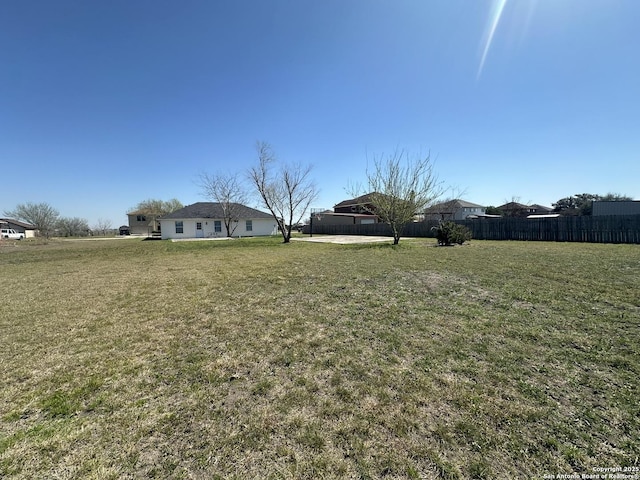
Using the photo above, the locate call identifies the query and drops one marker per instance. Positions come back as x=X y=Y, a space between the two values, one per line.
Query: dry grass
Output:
x=253 y=359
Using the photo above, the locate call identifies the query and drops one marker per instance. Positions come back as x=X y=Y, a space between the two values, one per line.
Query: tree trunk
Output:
x=286 y=233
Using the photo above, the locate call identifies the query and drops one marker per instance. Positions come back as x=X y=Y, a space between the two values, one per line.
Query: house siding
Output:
x=357 y=209
x=260 y=227
x=142 y=227
x=345 y=219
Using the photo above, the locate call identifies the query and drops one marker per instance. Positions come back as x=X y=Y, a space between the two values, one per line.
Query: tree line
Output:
x=48 y=222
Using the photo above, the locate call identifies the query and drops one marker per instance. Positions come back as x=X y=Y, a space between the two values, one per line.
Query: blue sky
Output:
x=105 y=104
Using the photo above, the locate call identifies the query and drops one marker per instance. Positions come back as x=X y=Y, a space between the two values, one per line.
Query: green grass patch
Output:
x=254 y=359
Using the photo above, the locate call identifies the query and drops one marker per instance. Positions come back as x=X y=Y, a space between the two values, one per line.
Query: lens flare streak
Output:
x=497 y=9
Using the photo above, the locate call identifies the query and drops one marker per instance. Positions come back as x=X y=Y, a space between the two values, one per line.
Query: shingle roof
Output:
x=513 y=206
x=452 y=205
x=361 y=200
x=465 y=204
x=541 y=207
x=214 y=210
x=28 y=226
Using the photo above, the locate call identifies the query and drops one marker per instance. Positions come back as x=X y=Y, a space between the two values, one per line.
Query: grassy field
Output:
x=255 y=359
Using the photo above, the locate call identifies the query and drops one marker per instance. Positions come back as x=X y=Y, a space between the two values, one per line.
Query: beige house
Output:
x=141 y=223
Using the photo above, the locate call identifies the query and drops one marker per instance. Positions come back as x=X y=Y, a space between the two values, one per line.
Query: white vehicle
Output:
x=11 y=234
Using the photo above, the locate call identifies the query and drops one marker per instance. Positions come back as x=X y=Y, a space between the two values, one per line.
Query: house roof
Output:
x=214 y=210
x=541 y=208
x=513 y=206
x=452 y=205
x=465 y=204
x=28 y=226
x=361 y=200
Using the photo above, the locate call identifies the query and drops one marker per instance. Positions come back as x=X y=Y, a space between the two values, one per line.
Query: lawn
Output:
x=255 y=359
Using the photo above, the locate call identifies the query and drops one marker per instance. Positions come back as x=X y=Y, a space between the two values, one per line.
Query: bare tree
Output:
x=102 y=226
x=72 y=227
x=41 y=215
x=229 y=191
x=287 y=192
x=401 y=186
x=157 y=207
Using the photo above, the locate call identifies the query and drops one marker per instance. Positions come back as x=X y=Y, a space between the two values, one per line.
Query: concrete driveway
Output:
x=343 y=239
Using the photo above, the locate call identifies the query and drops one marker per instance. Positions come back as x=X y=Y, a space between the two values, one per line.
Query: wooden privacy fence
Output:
x=599 y=229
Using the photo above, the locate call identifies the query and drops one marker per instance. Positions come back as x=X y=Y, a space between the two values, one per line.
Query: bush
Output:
x=449 y=233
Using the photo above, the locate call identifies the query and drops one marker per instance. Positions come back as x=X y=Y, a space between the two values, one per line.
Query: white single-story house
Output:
x=206 y=220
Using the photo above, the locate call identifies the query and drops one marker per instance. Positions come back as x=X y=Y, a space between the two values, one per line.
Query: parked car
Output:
x=11 y=234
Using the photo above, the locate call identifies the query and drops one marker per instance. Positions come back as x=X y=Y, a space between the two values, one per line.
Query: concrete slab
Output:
x=343 y=239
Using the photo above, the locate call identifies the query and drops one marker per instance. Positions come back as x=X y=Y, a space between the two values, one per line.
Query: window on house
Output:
x=141 y=218
x=249 y=226
x=198 y=225
x=179 y=227
x=217 y=226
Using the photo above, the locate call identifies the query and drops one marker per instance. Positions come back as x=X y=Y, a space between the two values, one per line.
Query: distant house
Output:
x=20 y=227
x=142 y=223
x=354 y=211
x=541 y=209
x=361 y=205
x=515 y=209
x=630 y=207
x=206 y=220
x=331 y=218
x=454 y=210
